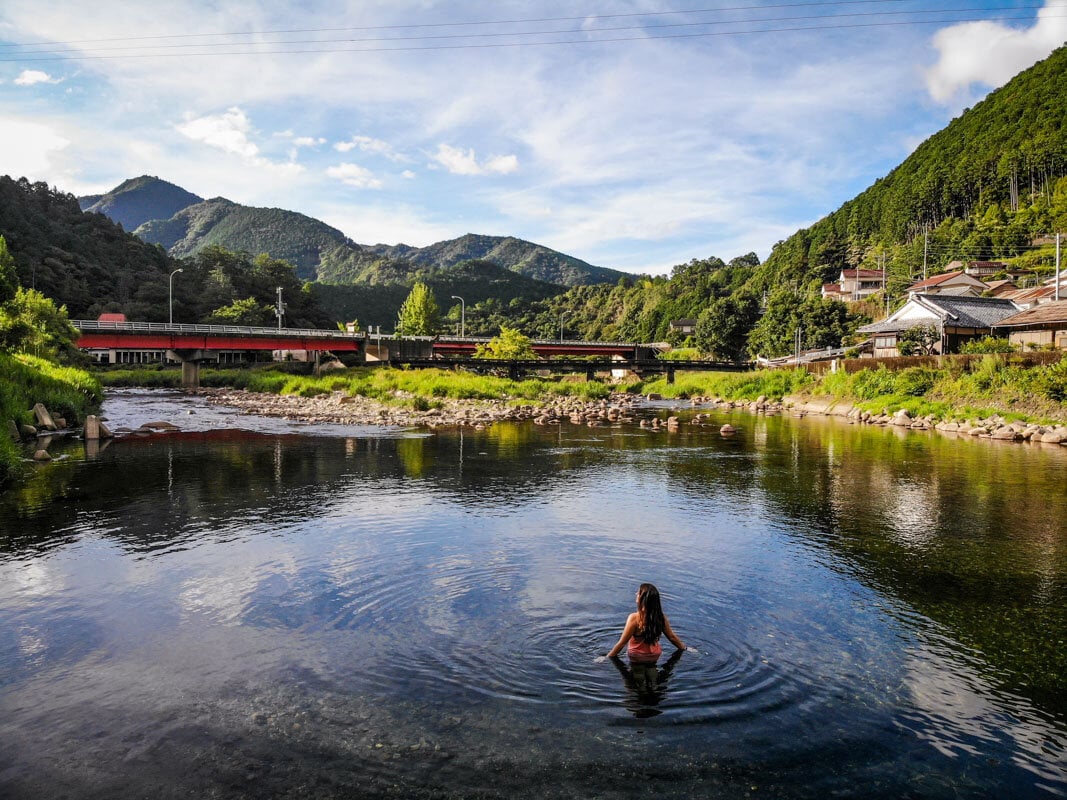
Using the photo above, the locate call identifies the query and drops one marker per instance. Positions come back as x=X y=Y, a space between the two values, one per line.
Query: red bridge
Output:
x=113 y=341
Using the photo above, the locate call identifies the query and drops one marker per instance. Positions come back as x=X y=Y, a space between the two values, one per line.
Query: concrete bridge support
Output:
x=191 y=365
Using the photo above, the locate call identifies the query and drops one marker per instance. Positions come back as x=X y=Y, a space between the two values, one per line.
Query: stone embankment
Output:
x=993 y=427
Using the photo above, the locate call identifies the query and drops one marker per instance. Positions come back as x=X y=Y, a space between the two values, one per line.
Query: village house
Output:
x=950 y=283
x=1042 y=325
x=854 y=284
x=686 y=327
x=956 y=318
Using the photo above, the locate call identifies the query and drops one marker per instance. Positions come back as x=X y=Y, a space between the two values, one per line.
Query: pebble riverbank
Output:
x=341 y=408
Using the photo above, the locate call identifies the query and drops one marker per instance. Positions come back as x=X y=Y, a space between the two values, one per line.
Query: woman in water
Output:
x=644 y=627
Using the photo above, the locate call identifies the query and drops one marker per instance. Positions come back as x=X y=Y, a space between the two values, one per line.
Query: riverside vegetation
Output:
x=997 y=386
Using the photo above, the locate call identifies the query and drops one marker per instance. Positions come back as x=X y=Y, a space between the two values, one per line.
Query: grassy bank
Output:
x=386 y=385
x=994 y=384
x=66 y=392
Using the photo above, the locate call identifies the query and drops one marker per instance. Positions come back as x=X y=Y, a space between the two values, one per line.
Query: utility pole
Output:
x=279 y=309
x=1057 y=266
x=885 y=285
x=926 y=244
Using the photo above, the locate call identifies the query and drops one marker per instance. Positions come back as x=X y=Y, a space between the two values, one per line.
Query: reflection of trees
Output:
x=969 y=533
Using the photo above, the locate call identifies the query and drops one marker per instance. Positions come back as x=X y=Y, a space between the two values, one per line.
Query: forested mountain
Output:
x=493 y=295
x=992 y=185
x=184 y=224
x=517 y=255
x=982 y=188
x=91 y=265
x=137 y=200
x=306 y=243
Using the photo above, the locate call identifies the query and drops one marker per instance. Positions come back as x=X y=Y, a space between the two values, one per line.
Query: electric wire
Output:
x=65 y=55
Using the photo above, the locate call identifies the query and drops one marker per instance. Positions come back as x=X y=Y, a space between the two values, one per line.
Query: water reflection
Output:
x=646 y=684
x=418 y=615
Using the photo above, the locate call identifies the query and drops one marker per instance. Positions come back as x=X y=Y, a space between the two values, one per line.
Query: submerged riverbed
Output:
x=256 y=608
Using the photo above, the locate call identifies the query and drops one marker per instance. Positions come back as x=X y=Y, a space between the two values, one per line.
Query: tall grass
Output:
x=65 y=391
x=774 y=384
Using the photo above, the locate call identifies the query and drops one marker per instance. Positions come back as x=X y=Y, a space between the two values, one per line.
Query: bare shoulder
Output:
x=632 y=618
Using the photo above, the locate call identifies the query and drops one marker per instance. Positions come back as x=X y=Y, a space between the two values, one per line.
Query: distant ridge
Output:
x=138 y=200
x=184 y=224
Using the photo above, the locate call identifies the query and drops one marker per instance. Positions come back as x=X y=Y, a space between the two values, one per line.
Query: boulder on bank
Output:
x=13 y=430
x=28 y=431
x=42 y=455
x=44 y=419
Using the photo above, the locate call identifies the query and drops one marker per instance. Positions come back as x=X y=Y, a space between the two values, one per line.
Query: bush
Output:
x=989 y=344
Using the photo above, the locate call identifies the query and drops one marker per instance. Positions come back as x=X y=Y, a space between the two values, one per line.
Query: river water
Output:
x=257 y=608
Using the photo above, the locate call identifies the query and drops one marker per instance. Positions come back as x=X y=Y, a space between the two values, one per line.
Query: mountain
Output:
x=308 y=244
x=517 y=255
x=184 y=224
x=138 y=200
x=89 y=264
x=484 y=287
x=982 y=188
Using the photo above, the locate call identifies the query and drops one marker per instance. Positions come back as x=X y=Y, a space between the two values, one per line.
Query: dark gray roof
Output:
x=956 y=311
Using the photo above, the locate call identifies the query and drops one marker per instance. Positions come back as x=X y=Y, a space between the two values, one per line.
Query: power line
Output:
x=795 y=29
x=497 y=34
x=79 y=55
x=583 y=18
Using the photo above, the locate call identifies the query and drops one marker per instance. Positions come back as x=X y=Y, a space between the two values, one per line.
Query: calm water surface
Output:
x=276 y=610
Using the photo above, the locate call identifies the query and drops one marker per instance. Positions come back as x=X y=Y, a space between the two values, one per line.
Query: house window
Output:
x=885 y=342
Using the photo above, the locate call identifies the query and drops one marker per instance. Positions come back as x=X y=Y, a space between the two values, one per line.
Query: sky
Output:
x=634 y=135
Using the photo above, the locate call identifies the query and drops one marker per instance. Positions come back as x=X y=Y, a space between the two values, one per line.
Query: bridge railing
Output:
x=243 y=330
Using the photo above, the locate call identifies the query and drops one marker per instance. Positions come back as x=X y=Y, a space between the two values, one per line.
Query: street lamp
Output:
x=561 y=316
x=462 y=316
x=171 y=294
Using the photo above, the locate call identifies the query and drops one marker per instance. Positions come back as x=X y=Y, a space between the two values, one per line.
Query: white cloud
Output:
x=460 y=162
x=29 y=77
x=308 y=141
x=368 y=144
x=228 y=132
x=989 y=53
x=407 y=175
x=354 y=175
x=388 y=224
x=27 y=149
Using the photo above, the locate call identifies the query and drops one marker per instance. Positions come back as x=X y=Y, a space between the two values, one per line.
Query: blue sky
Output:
x=657 y=132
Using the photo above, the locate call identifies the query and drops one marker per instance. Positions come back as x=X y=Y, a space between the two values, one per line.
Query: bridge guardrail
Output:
x=244 y=330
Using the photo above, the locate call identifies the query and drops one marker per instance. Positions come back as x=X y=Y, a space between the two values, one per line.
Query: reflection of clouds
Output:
x=31 y=642
x=913 y=510
x=957 y=711
x=33 y=579
x=226 y=594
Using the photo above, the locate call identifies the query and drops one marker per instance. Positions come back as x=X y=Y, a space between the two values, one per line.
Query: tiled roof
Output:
x=1038 y=315
x=862 y=273
x=936 y=280
x=957 y=312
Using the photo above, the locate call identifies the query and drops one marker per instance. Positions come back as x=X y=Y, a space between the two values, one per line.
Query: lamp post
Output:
x=171 y=294
x=561 y=316
x=462 y=316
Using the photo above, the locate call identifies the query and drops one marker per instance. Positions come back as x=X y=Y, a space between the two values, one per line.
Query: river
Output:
x=259 y=608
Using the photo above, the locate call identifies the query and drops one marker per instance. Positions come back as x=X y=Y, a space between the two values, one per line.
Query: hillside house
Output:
x=957 y=319
x=686 y=327
x=949 y=283
x=1042 y=325
x=854 y=284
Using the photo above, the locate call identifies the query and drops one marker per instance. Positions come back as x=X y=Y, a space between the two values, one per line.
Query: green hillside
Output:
x=182 y=223
x=89 y=264
x=137 y=200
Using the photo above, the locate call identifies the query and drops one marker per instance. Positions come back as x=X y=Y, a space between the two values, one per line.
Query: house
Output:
x=957 y=319
x=954 y=283
x=855 y=284
x=985 y=269
x=1045 y=324
x=686 y=327
x=1003 y=288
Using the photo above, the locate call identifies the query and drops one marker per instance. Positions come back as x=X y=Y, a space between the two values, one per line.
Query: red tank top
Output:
x=643 y=651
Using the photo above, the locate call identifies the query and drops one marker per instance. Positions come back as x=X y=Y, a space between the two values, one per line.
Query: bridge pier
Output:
x=670 y=376
x=190 y=374
x=191 y=365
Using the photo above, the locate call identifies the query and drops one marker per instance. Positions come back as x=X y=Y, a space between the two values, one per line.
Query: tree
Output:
x=9 y=280
x=510 y=345
x=32 y=323
x=419 y=315
x=918 y=341
x=242 y=312
x=723 y=327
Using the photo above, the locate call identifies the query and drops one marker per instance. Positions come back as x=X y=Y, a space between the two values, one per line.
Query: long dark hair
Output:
x=650 y=622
